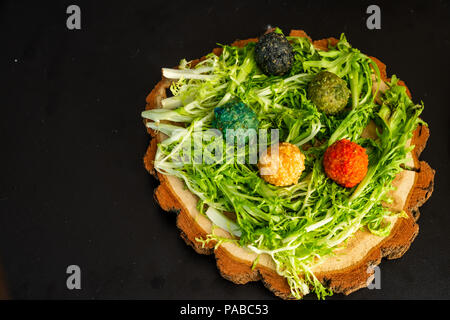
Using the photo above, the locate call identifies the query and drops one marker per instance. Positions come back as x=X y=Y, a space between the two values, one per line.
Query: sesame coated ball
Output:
x=284 y=169
x=346 y=162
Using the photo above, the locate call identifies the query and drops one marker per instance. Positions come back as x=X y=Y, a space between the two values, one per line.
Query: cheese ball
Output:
x=284 y=169
x=346 y=163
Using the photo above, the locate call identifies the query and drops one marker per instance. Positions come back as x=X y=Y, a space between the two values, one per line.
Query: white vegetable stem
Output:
x=171 y=103
x=164 y=114
x=220 y=220
x=318 y=224
x=167 y=129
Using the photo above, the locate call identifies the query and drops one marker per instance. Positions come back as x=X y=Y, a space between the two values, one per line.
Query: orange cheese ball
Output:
x=346 y=163
x=284 y=169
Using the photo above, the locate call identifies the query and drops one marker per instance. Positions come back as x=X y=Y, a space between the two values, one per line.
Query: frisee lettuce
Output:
x=300 y=225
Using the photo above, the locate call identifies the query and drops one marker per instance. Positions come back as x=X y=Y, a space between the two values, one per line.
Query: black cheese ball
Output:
x=274 y=54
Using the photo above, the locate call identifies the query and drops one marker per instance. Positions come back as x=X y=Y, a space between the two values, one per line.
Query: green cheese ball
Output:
x=234 y=115
x=328 y=92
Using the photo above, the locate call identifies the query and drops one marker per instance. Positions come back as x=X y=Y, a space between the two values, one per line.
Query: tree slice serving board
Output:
x=352 y=266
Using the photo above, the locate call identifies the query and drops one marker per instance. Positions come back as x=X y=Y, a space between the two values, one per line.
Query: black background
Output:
x=73 y=189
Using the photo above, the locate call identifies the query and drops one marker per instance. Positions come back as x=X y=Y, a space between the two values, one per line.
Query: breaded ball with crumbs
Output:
x=284 y=169
x=328 y=92
x=274 y=54
x=346 y=163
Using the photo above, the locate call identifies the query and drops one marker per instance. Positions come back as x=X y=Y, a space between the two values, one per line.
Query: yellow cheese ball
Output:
x=285 y=169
